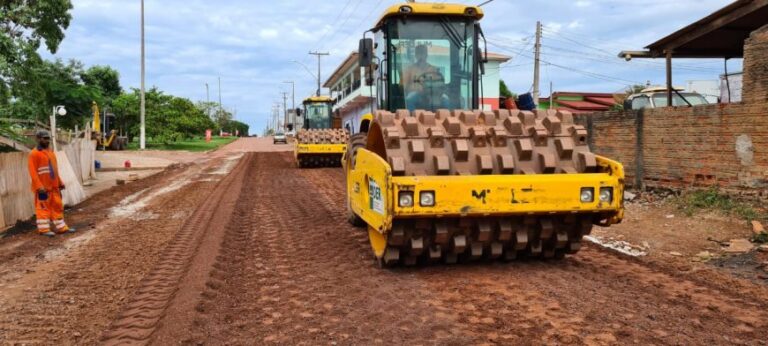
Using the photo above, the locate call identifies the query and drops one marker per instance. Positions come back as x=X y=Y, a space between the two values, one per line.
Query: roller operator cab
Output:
x=320 y=142
x=434 y=180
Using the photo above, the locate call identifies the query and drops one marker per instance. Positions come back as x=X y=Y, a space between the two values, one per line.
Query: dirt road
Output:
x=251 y=250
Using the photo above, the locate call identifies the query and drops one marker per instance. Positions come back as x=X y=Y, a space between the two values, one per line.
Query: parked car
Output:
x=656 y=97
x=279 y=138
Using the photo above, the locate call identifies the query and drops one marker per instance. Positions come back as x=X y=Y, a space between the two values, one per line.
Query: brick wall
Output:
x=676 y=147
x=755 y=79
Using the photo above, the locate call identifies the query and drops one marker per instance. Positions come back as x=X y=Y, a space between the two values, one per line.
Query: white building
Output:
x=353 y=99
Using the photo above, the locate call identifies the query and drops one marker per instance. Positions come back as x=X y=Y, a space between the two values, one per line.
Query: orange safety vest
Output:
x=44 y=170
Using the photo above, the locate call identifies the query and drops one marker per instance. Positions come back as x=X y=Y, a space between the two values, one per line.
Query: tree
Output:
x=169 y=118
x=106 y=79
x=209 y=108
x=235 y=126
x=50 y=83
x=504 y=91
x=634 y=89
x=222 y=117
x=24 y=25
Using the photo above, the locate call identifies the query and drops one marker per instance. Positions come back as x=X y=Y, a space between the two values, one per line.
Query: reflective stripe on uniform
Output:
x=60 y=224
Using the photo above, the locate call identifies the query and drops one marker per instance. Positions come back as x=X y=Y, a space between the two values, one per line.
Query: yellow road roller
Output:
x=320 y=142
x=434 y=179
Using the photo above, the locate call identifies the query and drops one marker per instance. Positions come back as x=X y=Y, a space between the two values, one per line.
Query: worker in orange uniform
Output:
x=47 y=186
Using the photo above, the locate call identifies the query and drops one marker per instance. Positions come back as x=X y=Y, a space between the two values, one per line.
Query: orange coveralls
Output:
x=44 y=172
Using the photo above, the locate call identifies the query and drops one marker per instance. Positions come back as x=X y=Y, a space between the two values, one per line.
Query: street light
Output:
x=293 y=103
x=142 y=106
x=306 y=68
x=57 y=110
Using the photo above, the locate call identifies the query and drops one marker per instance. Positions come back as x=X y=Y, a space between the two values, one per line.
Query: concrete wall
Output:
x=722 y=144
x=352 y=118
x=490 y=86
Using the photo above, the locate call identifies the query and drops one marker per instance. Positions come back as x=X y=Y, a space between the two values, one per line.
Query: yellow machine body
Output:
x=431 y=9
x=373 y=193
x=435 y=178
x=319 y=143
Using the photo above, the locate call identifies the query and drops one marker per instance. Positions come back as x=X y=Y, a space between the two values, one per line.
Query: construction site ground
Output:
x=238 y=246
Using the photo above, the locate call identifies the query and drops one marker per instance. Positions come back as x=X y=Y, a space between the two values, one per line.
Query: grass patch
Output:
x=712 y=199
x=195 y=144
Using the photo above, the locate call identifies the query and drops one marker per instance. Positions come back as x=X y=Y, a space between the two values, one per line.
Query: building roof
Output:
x=719 y=35
x=582 y=102
x=498 y=57
x=350 y=61
x=431 y=9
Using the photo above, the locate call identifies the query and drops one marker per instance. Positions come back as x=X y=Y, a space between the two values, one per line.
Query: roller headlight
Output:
x=606 y=194
x=587 y=195
x=406 y=9
x=427 y=198
x=405 y=199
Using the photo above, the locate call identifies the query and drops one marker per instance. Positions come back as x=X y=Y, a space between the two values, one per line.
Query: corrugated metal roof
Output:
x=583 y=105
x=720 y=34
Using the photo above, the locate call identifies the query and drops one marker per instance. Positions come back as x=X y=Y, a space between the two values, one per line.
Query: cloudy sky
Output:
x=250 y=44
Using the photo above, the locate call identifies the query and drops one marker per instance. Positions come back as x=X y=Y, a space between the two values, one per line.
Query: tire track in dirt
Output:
x=59 y=293
x=291 y=271
x=275 y=279
x=140 y=315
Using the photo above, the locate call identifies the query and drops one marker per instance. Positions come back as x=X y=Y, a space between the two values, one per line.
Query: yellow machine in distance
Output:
x=435 y=179
x=319 y=142
x=111 y=140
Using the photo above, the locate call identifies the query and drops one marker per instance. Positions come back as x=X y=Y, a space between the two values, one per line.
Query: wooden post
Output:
x=669 y=78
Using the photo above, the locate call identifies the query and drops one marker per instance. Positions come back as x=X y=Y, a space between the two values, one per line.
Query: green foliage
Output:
x=168 y=118
x=24 y=25
x=504 y=91
x=222 y=117
x=713 y=199
x=106 y=79
x=634 y=89
x=50 y=83
x=761 y=238
x=30 y=86
x=234 y=126
x=194 y=144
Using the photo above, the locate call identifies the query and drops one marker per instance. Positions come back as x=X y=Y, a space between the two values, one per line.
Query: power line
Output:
x=346 y=19
x=338 y=16
x=360 y=23
x=562 y=37
x=611 y=60
x=583 y=72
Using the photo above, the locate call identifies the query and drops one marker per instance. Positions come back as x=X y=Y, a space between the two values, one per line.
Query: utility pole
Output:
x=220 y=107
x=275 y=112
x=207 y=100
x=319 y=55
x=142 y=111
x=293 y=103
x=537 y=54
x=285 y=109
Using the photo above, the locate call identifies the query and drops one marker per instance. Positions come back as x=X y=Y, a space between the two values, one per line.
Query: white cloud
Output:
x=574 y=24
x=268 y=33
x=250 y=45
